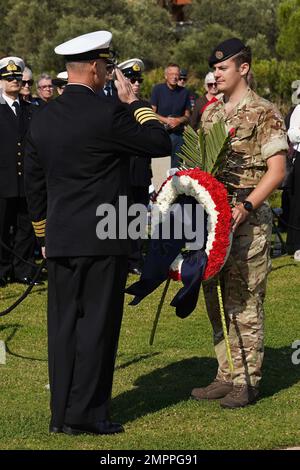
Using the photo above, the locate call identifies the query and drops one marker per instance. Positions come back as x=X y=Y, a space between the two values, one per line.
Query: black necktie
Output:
x=17 y=108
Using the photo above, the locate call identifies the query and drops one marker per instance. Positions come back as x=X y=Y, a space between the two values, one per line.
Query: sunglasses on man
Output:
x=12 y=78
x=133 y=80
x=210 y=85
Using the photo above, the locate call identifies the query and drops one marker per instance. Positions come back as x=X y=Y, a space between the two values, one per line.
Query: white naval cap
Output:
x=11 y=66
x=88 y=46
x=62 y=75
x=132 y=67
x=61 y=79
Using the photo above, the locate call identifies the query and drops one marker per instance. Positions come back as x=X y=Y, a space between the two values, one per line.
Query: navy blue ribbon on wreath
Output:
x=161 y=254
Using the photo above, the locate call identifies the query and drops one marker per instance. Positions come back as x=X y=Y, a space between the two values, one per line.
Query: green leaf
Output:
x=191 y=150
x=205 y=151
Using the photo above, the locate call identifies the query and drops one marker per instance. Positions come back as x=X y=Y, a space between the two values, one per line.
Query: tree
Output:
x=259 y=47
x=35 y=27
x=246 y=17
x=150 y=35
x=288 y=17
x=195 y=48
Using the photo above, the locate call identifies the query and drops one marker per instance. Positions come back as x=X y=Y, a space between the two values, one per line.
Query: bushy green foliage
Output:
x=194 y=49
x=288 y=22
x=32 y=28
x=246 y=17
x=273 y=80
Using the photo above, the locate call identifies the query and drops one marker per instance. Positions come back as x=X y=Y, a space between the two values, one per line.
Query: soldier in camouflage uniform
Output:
x=253 y=168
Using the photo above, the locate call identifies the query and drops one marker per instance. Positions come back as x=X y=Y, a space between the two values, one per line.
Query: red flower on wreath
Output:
x=222 y=233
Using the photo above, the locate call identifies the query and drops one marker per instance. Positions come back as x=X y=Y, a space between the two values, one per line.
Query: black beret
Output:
x=225 y=50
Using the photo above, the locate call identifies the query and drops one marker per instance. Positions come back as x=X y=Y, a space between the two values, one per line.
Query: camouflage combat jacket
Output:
x=259 y=133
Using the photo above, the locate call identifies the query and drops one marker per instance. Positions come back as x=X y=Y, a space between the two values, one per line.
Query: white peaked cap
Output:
x=137 y=65
x=88 y=46
x=62 y=75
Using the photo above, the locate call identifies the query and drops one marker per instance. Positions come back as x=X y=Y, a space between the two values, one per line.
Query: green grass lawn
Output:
x=152 y=384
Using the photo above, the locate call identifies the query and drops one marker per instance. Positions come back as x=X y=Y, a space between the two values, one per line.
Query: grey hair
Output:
x=28 y=71
x=43 y=76
x=171 y=64
x=78 y=66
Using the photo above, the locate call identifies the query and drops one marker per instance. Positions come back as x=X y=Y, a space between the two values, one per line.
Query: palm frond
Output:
x=216 y=141
x=205 y=151
x=190 y=153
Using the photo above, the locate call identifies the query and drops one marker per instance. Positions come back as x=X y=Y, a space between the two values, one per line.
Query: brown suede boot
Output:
x=240 y=396
x=215 y=390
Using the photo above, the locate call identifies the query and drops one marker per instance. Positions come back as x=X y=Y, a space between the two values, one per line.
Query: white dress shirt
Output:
x=10 y=101
x=294 y=129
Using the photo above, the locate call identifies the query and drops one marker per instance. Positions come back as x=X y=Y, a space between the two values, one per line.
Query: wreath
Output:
x=202 y=156
x=212 y=195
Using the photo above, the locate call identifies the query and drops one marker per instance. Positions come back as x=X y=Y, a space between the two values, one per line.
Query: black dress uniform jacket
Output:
x=12 y=135
x=13 y=208
x=77 y=158
x=140 y=171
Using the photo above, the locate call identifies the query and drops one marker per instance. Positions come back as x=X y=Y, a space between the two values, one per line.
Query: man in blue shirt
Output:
x=172 y=104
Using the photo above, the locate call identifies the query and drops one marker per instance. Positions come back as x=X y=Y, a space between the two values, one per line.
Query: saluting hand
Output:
x=124 y=87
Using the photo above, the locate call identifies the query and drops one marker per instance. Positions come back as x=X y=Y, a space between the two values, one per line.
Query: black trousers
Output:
x=85 y=308
x=140 y=194
x=293 y=231
x=16 y=231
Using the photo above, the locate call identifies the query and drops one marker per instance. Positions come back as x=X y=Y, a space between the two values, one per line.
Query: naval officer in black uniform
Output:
x=77 y=158
x=140 y=172
x=15 y=226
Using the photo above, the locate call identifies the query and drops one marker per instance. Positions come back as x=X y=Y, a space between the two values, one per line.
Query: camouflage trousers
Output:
x=243 y=283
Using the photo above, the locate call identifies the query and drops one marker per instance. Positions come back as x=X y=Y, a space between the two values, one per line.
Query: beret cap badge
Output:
x=219 y=55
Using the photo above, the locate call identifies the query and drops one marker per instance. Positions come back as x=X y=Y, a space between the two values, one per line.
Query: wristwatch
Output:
x=248 y=206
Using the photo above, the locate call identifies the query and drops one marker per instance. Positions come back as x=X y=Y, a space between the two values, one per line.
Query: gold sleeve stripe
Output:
x=142 y=119
x=140 y=110
x=40 y=235
x=145 y=119
x=145 y=113
x=41 y=231
x=40 y=223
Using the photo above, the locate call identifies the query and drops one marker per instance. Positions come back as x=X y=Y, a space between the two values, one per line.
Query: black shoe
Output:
x=136 y=271
x=28 y=281
x=3 y=282
x=55 y=429
x=102 y=427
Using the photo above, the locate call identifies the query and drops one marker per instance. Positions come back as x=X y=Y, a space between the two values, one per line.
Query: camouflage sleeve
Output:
x=272 y=134
x=205 y=121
